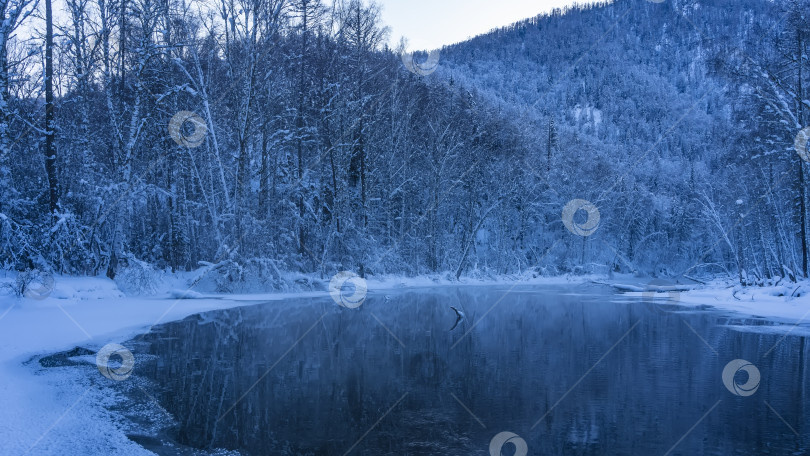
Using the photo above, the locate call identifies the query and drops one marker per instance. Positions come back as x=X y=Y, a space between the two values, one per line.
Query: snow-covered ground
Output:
x=789 y=303
x=63 y=414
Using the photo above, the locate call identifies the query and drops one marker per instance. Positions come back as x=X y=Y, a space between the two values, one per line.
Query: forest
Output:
x=258 y=137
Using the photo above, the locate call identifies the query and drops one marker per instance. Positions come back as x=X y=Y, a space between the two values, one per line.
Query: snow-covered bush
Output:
x=17 y=247
x=67 y=245
x=32 y=283
x=251 y=276
x=255 y=274
x=137 y=277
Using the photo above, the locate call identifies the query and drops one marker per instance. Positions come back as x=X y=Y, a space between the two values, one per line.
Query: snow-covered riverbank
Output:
x=785 y=303
x=61 y=414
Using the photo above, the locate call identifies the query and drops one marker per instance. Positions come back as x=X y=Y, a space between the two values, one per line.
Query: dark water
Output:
x=574 y=370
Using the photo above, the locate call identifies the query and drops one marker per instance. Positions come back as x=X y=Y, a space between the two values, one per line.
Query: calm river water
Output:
x=567 y=370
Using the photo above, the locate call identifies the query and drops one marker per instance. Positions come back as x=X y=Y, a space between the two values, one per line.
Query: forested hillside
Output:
x=676 y=119
x=284 y=135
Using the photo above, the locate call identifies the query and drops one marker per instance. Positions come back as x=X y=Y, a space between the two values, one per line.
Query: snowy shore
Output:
x=47 y=413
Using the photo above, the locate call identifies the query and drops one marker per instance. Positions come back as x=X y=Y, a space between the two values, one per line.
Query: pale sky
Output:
x=430 y=24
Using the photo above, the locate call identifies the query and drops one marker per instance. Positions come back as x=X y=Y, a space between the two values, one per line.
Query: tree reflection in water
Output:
x=308 y=377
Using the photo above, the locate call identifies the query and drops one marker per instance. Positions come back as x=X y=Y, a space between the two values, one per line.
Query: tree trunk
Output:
x=50 y=146
x=264 y=175
x=5 y=141
x=799 y=117
x=299 y=121
x=802 y=217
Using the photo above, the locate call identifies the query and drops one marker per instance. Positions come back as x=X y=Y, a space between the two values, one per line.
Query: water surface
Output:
x=571 y=370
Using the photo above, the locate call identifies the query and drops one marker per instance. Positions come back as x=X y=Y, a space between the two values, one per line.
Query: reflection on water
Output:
x=569 y=373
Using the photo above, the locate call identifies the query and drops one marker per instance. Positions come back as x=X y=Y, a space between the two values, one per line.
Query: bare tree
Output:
x=362 y=30
x=50 y=145
x=12 y=14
